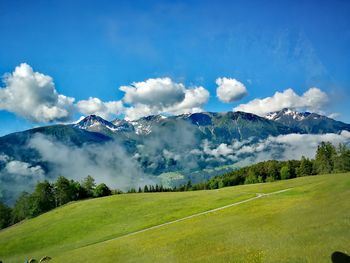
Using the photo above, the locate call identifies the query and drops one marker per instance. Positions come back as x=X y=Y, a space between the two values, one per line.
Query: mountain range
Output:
x=155 y=146
x=307 y=122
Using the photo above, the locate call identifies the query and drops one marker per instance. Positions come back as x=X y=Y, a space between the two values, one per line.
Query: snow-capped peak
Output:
x=93 y=122
x=287 y=113
x=271 y=116
x=144 y=125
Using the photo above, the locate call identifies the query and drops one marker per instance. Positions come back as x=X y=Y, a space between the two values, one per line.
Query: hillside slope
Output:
x=307 y=223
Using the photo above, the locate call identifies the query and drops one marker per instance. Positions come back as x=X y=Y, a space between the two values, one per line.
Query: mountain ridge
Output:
x=190 y=144
x=89 y=122
x=307 y=121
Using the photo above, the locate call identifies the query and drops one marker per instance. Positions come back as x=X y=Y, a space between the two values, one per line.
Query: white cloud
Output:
x=333 y=115
x=103 y=109
x=313 y=100
x=23 y=168
x=193 y=102
x=230 y=90
x=108 y=163
x=32 y=95
x=4 y=157
x=161 y=92
x=140 y=110
x=162 y=95
x=288 y=147
x=17 y=176
x=282 y=147
x=222 y=150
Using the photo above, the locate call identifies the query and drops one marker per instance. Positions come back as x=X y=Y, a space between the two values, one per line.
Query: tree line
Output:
x=328 y=159
x=47 y=196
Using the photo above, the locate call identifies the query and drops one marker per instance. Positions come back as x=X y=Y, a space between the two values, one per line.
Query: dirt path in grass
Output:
x=258 y=195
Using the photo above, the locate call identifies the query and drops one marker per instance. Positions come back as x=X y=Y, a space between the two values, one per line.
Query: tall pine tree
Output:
x=324 y=161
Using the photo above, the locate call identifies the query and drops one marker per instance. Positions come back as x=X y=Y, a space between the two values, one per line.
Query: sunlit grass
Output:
x=305 y=224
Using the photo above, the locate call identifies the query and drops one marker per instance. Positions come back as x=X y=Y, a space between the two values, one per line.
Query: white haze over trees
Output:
x=282 y=147
x=110 y=162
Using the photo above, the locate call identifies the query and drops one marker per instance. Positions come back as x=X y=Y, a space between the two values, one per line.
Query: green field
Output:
x=305 y=224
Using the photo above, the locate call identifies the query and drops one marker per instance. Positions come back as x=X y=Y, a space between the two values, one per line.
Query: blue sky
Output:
x=91 y=48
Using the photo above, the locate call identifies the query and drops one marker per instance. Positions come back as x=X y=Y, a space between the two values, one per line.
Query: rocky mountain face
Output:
x=220 y=127
x=308 y=122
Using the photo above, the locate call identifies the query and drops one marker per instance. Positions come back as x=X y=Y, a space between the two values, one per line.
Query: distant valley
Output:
x=159 y=149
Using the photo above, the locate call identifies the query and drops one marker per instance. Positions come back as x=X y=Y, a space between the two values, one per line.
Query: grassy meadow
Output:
x=306 y=224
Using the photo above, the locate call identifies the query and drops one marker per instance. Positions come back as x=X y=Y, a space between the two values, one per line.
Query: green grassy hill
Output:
x=305 y=224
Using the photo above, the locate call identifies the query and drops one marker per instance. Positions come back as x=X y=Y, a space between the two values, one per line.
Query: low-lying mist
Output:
x=180 y=150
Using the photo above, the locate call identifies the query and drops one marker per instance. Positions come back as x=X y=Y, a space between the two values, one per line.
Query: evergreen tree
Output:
x=116 y=192
x=5 y=215
x=293 y=166
x=273 y=170
x=285 y=172
x=251 y=177
x=132 y=190
x=342 y=159
x=43 y=198
x=145 y=189
x=102 y=190
x=22 y=208
x=324 y=161
x=89 y=185
x=188 y=186
x=78 y=192
x=213 y=184
x=64 y=191
x=305 y=167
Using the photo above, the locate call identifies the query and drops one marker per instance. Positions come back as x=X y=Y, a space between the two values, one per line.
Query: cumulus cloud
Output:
x=162 y=95
x=103 y=109
x=33 y=95
x=230 y=90
x=139 y=111
x=313 y=100
x=161 y=92
x=193 y=102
